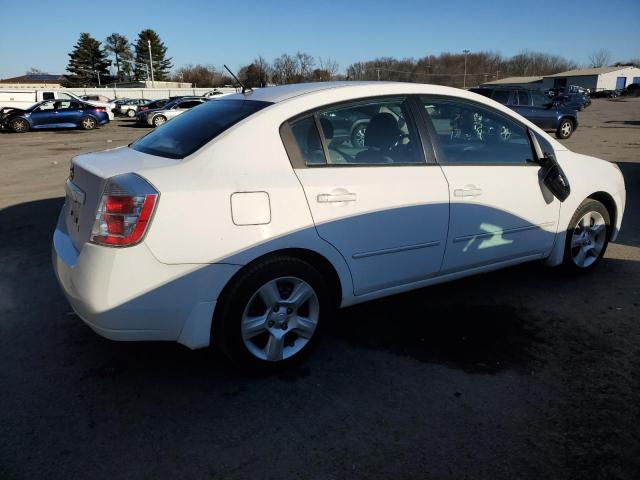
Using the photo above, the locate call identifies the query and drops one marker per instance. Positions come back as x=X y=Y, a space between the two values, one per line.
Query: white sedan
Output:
x=244 y=221
x=159 y=116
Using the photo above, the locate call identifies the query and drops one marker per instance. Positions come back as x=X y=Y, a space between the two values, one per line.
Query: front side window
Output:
x=469 y=133
x=193 y=129
x=376 y=132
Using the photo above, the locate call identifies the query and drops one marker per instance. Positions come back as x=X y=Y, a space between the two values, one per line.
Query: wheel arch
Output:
x=317 y=260
x=610 y=204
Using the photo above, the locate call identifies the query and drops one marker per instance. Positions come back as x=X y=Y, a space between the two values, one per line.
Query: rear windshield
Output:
x=189 y=131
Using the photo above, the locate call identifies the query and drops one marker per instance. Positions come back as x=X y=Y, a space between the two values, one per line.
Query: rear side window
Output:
x=48 y=96
x=501 y=96
x=188 y=132
x=523 y=98
x=374 y=132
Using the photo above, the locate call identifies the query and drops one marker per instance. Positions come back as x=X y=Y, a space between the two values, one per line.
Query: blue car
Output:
x=535 y=107
x=53 y=114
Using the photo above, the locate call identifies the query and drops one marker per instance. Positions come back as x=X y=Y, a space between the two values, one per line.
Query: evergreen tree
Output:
x=86 y=61
x=161 y=64
x=120 y=47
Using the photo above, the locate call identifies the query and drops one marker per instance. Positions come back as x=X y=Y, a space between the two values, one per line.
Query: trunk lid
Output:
x=87 y=178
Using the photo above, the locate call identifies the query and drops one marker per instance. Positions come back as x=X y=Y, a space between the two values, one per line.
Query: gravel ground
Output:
x=523 y=373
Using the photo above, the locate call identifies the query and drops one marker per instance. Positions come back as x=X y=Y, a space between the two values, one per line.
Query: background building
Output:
x=39 y=80
x=604 y=78
x=533 y=83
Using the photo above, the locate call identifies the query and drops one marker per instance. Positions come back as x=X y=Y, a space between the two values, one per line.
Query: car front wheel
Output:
x=131 y=113
x=19 y=125
x=269 y=316
x=565 y=129
x=587 y=237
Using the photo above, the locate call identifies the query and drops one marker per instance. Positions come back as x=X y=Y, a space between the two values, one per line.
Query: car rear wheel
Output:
x=159 y=120
x=19 y=125
x=587 y=237
x=131 y=113
x=565 y=129
x=88 y=123
x=269 y=316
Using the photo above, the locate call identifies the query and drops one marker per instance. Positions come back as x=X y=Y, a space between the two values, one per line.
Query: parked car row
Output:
x=166 y=111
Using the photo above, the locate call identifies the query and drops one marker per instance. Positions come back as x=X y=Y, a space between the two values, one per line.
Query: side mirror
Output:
x=551 y=173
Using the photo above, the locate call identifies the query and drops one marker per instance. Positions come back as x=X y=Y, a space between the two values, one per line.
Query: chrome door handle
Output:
x=467 y=191
x=336 y=197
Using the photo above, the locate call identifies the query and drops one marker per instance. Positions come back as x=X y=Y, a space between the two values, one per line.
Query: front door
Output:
x=377 y=201
x=499 y=210
x=45 y=115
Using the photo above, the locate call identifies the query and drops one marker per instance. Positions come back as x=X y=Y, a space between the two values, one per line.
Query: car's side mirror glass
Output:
x=551 y=174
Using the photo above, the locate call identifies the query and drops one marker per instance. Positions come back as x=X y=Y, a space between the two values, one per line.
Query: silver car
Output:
x=156 y=118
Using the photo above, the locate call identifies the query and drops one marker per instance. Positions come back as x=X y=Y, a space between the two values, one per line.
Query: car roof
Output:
x=280 y=93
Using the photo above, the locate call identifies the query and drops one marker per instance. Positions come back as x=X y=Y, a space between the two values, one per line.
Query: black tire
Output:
x=357 y=135
x=565 y=129
x=131 y=113
x=159 y=120
x=226 y=331
x=569 y=262
x=88 y=123
x=19 y=125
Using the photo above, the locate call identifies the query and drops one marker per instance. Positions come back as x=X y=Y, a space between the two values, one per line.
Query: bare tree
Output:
x=284 y=69
x=305 y=63
x=600 y=58
x=36 y=71
x=329 y=66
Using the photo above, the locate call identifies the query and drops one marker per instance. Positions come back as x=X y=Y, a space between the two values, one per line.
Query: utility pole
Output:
x=378 y=72
x=151 y=63
x=464 y=79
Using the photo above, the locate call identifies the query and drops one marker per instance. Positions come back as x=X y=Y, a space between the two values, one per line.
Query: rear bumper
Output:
x=126 y=294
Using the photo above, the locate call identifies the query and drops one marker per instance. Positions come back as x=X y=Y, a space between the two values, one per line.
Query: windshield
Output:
x=188 y=132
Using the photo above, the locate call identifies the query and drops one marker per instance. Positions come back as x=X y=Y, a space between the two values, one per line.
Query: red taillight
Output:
x=100 y=109
x=124 y=212
x=142 y=109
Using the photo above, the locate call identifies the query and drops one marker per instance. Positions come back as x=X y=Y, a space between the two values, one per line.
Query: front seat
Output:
x=381 y=135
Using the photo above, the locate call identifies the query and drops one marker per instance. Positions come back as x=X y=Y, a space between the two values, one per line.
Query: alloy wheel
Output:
x=588 y=239
x=280 y=319
x=565 y=129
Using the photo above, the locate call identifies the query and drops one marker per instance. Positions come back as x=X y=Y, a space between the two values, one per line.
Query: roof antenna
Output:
x=244 y=89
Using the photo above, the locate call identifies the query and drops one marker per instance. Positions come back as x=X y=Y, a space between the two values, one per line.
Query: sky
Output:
x=40 y=34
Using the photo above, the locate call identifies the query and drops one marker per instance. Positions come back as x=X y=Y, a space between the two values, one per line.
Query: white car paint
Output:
x=204 y=231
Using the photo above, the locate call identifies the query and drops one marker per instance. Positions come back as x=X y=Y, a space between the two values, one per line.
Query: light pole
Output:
x=464 y=78
x=146 y=67
x=92 y=71
x=150 y=62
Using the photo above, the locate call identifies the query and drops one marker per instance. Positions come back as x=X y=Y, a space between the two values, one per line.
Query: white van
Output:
x=24 y=99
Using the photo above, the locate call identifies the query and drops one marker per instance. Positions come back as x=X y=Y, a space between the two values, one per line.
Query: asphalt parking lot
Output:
x=523 y=373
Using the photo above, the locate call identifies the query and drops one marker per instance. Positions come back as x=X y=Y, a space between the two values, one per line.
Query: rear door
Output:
x=69 y=113
x=499 y=210
x=381 y=204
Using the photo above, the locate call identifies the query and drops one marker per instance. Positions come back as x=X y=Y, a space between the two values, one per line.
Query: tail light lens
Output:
x=124 y=211
x=142 y=109
x=100 y=109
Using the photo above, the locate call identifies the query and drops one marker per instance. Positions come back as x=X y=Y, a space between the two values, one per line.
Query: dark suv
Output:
x=535 y=107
